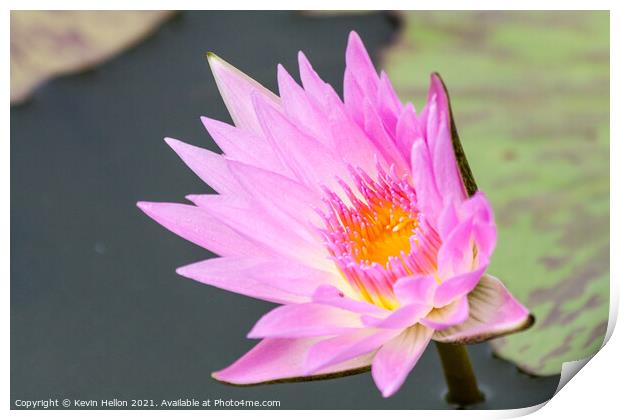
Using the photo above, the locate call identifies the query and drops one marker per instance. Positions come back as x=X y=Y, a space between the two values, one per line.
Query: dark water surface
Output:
x=97 y=311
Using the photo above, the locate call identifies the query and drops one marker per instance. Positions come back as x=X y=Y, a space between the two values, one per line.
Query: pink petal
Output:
x=493 y=312
x=281 y=359
x=319 y=91
x=350 y=141
x=403 y=317
x=436 y=109
x=312 y=163
x=301 y=110
x=375 y=130
x=275 y=280
x=396 y=358
x=415 y=289
x=259 y=225
x=456 y=287
x=353 y=98
x=335 y=350
x=294 y=200
x=210 y=167
x=436 y=114
x=237 y=89
x=330 y=295
x=436 y=89
x=305 y=320
x=360 y=66
x=448 y=219
x=197 y=226
x=428 y=196
x=407 y=130
x=445 y=168
x=485 y=233
x=485 y=237
x=456 y=254
x=452 y=314
x=389 y=106
x=244 y=146
x=478 y=208
x=476 y=214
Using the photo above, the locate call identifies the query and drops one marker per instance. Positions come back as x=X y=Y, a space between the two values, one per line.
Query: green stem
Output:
x=462 y=385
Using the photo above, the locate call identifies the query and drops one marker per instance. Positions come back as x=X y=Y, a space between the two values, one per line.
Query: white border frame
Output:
x=593 y=393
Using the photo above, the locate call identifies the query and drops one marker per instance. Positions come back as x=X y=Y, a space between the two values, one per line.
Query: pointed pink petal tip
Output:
x=236 y=89
x=436 y=87
x=355 y=39
x=173 y=143
x=144 y=206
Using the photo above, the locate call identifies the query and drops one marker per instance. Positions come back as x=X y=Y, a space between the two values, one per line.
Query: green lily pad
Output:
x=530 y=95
x=47 y=43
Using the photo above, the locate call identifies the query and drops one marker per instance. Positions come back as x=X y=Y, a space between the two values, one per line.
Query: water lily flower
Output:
x=352 y=215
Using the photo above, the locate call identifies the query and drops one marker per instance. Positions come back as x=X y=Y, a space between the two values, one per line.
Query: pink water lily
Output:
x=352 y=215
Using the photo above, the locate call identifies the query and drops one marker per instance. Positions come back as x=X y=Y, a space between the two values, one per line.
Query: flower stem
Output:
x=462 y=385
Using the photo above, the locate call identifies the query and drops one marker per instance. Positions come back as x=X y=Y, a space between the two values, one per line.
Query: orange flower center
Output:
x=379 y=236
x=381 y=230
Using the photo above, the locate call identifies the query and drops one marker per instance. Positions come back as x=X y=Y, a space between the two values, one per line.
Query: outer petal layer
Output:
x=493 y=312
x=272 y=279
x=263 y=227
x=457 y=286
x=294 y=199
x=210 y=167
x=401 y=318
x=197 y=226
x=397 y=357
x=440 y=145
x=305 y=320
x=452 y=314
x=237 y=90
x=332 y=351
x=312 y=163
x=281 y=360
x=244 y=146
x=415 y=289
